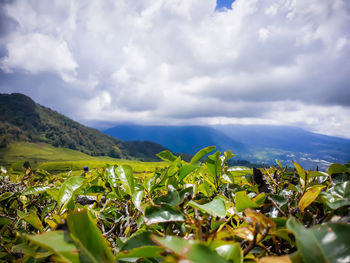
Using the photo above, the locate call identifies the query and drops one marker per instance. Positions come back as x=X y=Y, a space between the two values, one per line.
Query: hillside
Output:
x=38 y=153
x=255 y=143
x=21 y=119
x=58 y=159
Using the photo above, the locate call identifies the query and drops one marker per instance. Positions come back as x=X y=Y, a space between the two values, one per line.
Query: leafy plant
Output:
x=192 y=211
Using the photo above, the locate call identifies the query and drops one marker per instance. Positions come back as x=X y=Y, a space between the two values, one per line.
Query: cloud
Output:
x=35 y=53
x=183 y=62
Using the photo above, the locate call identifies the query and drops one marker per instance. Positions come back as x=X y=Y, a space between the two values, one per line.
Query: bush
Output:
x=191 y=211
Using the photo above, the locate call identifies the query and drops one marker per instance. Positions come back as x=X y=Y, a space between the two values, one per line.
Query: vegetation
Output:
x=21 y=119
x=183 y=212
x=57 y=159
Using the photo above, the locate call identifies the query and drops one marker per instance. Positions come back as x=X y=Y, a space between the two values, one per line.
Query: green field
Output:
x=57 y=159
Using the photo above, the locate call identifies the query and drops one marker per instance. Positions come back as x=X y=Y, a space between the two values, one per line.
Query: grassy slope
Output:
x=41 y=155
x=21 y=119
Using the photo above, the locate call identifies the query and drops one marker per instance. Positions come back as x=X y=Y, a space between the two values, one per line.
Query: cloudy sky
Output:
x=182 y=61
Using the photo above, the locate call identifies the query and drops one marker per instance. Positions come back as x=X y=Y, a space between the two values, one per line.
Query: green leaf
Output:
x=228 y=155
x=59 y=242
x=260 y=199
x=139 y=239
x=164 y=213
x=173 y=169
x=317 y=174
x=174 y=243
x=31 y=218
x=172 y=197
x=279 y=164
x=53 y=192
x=231 y=252
x=137 y=198
x=68 y=189
x=323 y=243
x=293 y=188
x=337 y=168
x=310 y=196
x=5 y=221
x=47 y=209
x=204 y=187
x=166 y=156
x=199 y=155
x=142 y=252
x=201 y=253
x=321 y=177
x=243 y=201
x=5 y=196
x=337 y=196
x=112 y=177
x=88 y=237
x=214 y=166
x=216 y=207
x=35 y=190
x=189 y=249
x=186 y=170
x=302 y=174
x=126 y=177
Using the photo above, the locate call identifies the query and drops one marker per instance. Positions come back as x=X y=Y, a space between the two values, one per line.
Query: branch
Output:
x=276 y=205
x=111 y=230
x=253 y=243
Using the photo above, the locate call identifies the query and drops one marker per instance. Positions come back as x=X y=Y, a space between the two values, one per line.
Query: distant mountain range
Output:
x=182 y=139
x=256 y=143
x=21 y=119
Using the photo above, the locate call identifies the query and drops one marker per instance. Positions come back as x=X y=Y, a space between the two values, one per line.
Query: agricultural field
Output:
x=174 y=211
x=57 y=159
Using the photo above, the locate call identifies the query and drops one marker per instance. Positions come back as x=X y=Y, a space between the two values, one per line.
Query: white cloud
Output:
x=272 y=9
x=179 y=61
x=37 y=53
x=332 y=120
x=121 y=76
x=263 y=34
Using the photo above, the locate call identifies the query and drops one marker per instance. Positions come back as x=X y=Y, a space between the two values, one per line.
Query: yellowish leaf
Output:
x=310 y=196
x=283 y=259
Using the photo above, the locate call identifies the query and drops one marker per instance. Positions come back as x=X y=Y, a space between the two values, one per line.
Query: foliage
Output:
x=184 y=211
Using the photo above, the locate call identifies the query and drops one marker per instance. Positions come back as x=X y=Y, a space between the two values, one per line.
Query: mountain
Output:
x=284 y=138
x=289 y=143
x=21 y=119
x=181 y=139
x=255 y=143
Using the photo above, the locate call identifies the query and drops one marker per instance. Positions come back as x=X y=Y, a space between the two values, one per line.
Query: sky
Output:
x=182 y=62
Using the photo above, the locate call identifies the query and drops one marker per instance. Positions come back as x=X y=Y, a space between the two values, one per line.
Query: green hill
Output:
x=23 y=120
